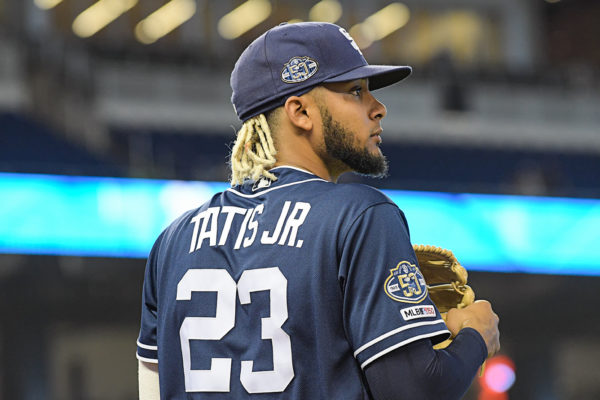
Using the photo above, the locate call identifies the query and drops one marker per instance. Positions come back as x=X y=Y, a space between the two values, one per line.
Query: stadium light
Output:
x=380 y=24
x=243 y=18
x=326 y=11
x=100 y=14
x=47 y=4
x=164 y=20
x=499 y=376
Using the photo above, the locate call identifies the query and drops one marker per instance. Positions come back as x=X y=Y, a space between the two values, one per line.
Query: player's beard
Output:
x=340 y=145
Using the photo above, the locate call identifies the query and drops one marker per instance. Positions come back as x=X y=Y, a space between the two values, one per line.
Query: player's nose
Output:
x=378 y=109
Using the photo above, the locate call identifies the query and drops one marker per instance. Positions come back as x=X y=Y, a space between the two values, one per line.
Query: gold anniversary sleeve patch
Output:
x=406 y=283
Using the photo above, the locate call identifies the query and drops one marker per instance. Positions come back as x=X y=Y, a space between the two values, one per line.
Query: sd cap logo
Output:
x=405 y=283
x=299 y=69
x=352 y=42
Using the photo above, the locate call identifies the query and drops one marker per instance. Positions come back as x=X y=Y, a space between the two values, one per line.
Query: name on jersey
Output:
x=217 y=226
x=417 y=312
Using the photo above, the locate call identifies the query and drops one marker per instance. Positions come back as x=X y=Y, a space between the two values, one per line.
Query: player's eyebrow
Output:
x=358 y=82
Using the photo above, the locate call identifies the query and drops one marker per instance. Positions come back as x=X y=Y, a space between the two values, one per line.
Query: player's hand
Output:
x=480 y=317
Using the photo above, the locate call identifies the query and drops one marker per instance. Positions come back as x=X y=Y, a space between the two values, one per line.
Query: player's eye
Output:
x=356 y=91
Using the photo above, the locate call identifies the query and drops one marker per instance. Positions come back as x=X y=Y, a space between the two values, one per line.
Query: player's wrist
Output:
x=476 y=340
x=466 y=324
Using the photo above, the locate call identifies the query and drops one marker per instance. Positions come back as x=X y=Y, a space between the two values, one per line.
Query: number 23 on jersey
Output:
x=217 y=378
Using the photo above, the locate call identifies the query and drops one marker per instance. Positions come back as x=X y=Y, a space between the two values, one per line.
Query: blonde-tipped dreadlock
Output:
x=253 y=153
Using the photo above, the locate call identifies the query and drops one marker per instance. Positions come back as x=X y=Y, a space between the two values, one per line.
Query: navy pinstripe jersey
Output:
x=287 y=289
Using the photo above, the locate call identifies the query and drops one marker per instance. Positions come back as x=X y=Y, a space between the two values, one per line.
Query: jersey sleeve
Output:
x=147 y=348
x=386 y=304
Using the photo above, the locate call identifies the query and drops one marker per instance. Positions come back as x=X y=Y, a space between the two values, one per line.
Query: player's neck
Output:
x=306 y=164
x=328 y=169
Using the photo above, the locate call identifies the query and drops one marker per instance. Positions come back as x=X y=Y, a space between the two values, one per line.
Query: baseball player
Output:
x=288 y=285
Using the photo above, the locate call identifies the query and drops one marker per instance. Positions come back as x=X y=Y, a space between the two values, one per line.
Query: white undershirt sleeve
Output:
x=148 y=381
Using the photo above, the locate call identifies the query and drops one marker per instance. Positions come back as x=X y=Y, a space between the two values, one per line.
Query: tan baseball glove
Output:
x=446 y=280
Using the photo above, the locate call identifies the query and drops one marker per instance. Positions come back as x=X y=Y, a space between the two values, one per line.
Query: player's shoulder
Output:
x=359 y=195
x=351 y=201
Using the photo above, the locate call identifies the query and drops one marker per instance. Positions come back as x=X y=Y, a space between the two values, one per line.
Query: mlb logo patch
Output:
x=417 y=312
x=261 y=184
x=299 y=69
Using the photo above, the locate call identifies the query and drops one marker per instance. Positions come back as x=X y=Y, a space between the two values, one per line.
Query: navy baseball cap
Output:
x=291 y=59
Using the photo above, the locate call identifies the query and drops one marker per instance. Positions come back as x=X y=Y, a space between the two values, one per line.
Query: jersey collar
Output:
x=286 y=176
x=291 y=167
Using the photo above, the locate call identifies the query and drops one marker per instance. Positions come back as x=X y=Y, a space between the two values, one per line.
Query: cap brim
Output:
x=379 y=75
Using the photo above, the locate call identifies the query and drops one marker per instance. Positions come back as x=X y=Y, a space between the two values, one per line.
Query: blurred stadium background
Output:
x=504 y=100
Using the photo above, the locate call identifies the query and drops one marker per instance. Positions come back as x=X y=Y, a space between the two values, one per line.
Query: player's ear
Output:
x=297 y=111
